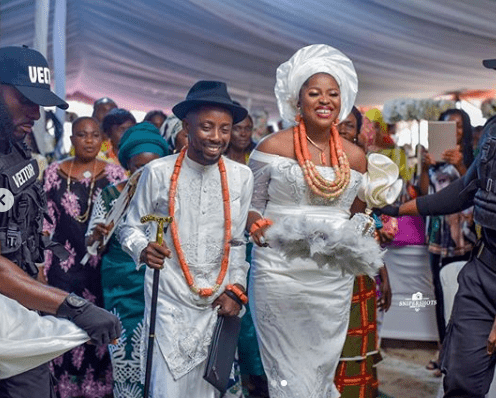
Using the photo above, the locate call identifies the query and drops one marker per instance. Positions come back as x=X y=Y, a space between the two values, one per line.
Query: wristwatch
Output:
x=71 y=306
x=74 y=301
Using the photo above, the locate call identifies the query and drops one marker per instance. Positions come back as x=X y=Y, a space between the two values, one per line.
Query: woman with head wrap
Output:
x=306 y=184
x=122 y=283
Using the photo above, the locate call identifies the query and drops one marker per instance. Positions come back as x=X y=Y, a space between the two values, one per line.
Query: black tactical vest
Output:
x=485 y=197
x=21 y=226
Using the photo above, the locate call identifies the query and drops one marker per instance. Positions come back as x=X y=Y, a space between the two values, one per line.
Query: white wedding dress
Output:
x=300 y=308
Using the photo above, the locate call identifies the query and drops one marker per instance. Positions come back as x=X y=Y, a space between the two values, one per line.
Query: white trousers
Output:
x=191 y=385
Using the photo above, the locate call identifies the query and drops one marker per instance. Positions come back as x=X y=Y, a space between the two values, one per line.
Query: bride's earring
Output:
x=298 y=107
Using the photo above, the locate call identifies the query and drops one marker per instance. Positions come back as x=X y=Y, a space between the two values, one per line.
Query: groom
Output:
x=210 y=197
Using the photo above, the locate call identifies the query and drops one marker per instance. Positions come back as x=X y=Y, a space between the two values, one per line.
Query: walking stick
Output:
x=153 y=313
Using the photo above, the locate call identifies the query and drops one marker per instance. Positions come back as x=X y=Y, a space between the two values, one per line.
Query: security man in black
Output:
x=468 y=354
x=24 y=86
x=21 y=226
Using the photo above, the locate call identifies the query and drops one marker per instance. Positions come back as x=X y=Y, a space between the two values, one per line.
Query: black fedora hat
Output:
x=489 y=63
x=207 y=92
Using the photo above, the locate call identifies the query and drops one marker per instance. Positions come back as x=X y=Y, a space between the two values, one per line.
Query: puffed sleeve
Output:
x=259 y=164
x=380 y=184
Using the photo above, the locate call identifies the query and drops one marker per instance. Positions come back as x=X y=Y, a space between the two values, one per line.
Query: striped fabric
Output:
x=356 y=375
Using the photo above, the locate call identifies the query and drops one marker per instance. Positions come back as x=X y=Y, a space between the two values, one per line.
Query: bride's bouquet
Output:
x=345 y=246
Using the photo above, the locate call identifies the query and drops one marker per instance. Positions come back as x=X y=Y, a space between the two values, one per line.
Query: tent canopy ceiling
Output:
x=147 y=54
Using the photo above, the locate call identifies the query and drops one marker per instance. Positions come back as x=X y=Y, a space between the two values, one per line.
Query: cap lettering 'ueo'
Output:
x=27 y=70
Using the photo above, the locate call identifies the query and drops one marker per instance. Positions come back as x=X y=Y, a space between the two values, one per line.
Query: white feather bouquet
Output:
x=345 y=246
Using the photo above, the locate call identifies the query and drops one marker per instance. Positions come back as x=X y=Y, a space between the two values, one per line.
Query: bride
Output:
x=307 y=250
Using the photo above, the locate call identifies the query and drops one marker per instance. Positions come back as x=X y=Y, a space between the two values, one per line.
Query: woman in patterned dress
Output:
x=71 y=187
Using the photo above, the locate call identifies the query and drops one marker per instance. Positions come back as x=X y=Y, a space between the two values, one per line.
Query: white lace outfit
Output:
x=185 y=321
x=300 y=308
x=28 y=340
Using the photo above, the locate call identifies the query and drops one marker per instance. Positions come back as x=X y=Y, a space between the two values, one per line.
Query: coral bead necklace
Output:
x=203 y=292
x=339 y=162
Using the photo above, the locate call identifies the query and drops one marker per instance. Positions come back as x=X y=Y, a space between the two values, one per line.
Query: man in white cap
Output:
x=27 y=340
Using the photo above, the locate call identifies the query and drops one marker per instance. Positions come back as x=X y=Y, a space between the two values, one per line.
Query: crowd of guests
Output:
x=108 y=152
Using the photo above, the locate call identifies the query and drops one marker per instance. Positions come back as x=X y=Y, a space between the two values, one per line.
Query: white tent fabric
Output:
x=146 y=54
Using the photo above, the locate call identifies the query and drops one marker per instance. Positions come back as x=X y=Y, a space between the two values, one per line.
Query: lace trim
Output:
x=127 y=372
x=211 y=249
x=98 y=214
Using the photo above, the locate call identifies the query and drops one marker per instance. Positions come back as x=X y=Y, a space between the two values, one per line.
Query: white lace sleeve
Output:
x=260 y=166
x=98 y=214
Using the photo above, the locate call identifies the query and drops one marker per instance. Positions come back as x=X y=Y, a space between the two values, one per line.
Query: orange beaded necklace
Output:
x=203 y=292
x=339 y=162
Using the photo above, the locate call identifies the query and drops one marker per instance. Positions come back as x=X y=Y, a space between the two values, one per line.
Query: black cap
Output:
x=27 y=70
x=489 y=63
x=207 y=92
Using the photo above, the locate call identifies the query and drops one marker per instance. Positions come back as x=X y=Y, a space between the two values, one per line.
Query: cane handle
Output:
x=160 y=227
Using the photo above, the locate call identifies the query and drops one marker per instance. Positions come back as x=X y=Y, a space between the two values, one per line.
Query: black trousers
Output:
x=469 y=369
x=35 y=383
x=437 y=263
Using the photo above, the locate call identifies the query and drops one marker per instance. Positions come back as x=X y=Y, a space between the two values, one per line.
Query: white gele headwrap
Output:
x=306 y=62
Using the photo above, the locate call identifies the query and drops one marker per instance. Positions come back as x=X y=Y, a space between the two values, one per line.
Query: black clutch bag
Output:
x=221 y=352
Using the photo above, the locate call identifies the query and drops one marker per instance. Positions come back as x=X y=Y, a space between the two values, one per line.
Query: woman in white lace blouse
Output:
x=306 y=183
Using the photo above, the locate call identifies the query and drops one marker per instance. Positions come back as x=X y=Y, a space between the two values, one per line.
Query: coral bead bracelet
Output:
x=238 y=292
x=260 y=223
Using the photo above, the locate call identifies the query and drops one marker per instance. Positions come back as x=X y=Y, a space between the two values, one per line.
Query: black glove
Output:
x=102 y=326
x=388 y=210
